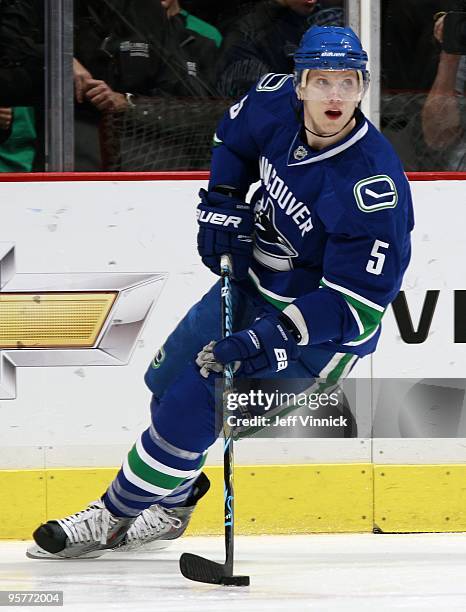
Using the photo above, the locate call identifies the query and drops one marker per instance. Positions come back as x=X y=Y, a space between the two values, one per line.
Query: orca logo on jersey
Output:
x=280 y=193
x=204 y=216
x=271 y=248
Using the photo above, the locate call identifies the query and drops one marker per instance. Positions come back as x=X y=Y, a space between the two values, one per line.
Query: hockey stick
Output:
x=195 y=567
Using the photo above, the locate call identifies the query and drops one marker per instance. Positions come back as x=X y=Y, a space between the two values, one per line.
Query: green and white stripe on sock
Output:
x=153 y=470
x=151 y=475
x=179 y=496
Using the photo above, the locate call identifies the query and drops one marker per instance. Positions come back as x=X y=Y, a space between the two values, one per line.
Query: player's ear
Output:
x=299 y=84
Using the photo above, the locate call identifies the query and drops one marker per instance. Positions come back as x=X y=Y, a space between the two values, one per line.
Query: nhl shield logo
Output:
x=300 y=153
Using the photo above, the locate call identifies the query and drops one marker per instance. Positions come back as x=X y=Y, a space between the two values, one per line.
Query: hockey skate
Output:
x=157 y=527
x=87 y=534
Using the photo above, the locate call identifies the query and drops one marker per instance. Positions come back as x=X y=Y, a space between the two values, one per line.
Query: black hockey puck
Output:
x=235 y=580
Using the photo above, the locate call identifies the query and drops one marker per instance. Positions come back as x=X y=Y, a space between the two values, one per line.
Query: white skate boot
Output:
x=87 y=534
x=156 y=527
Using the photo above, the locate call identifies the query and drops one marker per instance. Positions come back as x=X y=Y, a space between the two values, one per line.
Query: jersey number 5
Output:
x=374 y=266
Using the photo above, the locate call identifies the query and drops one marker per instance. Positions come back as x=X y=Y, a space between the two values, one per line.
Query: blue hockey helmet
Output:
x=330 y=48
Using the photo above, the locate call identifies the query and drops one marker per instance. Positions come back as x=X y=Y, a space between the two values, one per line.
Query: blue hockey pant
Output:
x=167 y=458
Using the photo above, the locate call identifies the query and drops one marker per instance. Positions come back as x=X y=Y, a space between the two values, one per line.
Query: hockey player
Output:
x=317 y=256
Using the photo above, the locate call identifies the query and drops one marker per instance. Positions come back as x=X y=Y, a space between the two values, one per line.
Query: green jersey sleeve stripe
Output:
x=279 y=301
x=363 y=337
x=351 y=294
x=216 y=141
x=367 y=314
x=369 y=317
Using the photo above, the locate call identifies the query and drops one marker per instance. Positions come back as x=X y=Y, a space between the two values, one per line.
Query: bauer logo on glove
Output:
x=263 y=348
x=282 y=358
x=226 y=225
x=204 y=216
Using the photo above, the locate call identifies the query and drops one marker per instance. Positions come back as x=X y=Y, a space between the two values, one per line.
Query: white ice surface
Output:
x=316 y=572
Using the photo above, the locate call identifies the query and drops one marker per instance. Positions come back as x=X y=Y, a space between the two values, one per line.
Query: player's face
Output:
x=324 y=85
x=330 y=98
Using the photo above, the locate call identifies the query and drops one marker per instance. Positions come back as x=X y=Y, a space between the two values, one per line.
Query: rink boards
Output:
x=70 y=413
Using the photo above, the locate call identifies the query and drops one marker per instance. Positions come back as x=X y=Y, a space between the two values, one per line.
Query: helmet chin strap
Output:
x=330 y=135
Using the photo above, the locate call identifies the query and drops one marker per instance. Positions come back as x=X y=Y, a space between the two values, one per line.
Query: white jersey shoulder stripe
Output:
x=275 y=296
x=359 y=342
x=335 y=151
x=357 y=318
x=354 y=295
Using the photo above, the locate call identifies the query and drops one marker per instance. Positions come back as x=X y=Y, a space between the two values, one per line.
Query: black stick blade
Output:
x=200 y=569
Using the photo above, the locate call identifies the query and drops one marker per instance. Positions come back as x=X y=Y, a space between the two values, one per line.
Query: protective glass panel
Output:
x=423 y=111
x=21 y=86
x=162 y=75
x=151 y=79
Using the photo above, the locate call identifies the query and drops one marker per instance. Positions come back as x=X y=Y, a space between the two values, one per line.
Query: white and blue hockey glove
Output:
x=269 y=345
x=226 y=225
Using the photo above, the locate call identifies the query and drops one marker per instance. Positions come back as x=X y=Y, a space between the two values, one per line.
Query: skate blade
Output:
x=150 y=547
x=36 y=552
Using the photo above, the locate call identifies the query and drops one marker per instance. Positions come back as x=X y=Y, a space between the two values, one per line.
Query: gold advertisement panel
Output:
x=49 y=320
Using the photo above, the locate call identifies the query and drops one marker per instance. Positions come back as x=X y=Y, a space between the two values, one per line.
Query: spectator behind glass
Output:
x=218 y=13
x=96 y=66
x=444 y=112
x=125 y=50
x=21 y=85
x=121 y=47
x=266 y=39
x=114 y=54
x=410 y=61
x=17 y=139
x=190 y=22
x=170 y=125
x=195 y=43
x=409 y=54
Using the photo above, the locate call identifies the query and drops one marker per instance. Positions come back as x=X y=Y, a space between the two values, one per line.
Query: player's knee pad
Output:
x=185 y=414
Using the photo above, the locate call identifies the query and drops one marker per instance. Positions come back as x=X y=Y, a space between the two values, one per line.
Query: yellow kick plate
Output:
x=51 y=320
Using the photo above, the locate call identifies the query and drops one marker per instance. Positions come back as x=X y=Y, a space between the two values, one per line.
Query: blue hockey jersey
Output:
x=332 y=226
